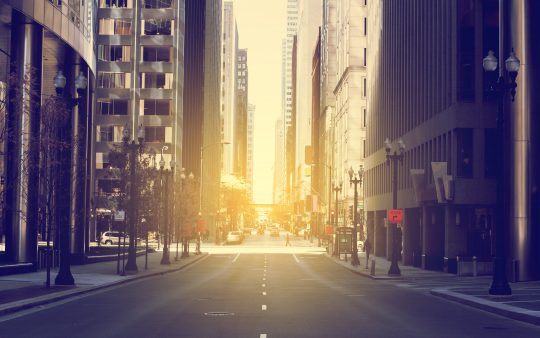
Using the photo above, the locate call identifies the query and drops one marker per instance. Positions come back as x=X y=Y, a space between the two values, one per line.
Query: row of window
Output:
x=129 y=3
x=123 y=80
x=115 y=134
x=122 y=107
x=124 y=27
x=123 y=53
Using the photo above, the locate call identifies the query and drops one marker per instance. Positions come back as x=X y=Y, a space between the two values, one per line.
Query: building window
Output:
x=113 y=80
x=114 y=53
x=158 y=3
x=365 y=87
x=157 y=80
x=115 y=26
x=364 y=113
x=365 y=56
x=157 y=107
x=157 y=54
x=365 y=26
x=154 y=134
x=105 y=133
x=113 y=107
x=157 y=27
x=464 y=141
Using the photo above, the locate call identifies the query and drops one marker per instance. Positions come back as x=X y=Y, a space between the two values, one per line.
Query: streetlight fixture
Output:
x=394 y=158
x=356 y=179
x=336 y=189
x=133 y=148
x=178 y=227
x=499 y=284
x=64 y=276
x=165 y=210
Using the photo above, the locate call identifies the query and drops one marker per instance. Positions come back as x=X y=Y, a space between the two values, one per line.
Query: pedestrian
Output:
x=198 y=248
x=367 y=249
x=287 y=241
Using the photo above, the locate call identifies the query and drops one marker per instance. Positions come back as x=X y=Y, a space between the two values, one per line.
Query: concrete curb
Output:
x=513 y=312
x=361 y=271
x=25 y=304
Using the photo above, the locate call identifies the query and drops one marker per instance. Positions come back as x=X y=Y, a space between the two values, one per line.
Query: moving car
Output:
x=235 y=237
x=111 y=237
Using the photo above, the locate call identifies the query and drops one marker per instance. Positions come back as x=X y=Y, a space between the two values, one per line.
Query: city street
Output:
x=260 y=289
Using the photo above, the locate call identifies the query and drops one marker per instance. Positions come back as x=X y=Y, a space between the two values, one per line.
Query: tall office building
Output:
x=279 y=179
x=292 y=24
x=241 y=115
x=38 y=39
x=325 y=164
x=211 y=149
x=140 y=77
x=250 y=149
x=230 y=47
x=350 y=98
x=309 y=21
x=436 y=97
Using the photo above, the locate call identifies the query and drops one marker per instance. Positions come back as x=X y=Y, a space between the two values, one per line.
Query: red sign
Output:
x=395 y=216
x=200 y=226
x=328 y=230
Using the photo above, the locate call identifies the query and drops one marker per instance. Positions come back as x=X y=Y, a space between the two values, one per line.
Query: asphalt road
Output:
x=250 y=294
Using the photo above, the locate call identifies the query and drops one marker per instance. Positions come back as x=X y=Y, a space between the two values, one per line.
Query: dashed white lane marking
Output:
x=264 y=293
x=355 y=295
x=264 y=307
x=296 y=258
x=235 y=258
x=263 y=335
x=264 y=285
x=264 y=279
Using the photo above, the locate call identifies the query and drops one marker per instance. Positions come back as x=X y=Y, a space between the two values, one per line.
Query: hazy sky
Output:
x=261 y=26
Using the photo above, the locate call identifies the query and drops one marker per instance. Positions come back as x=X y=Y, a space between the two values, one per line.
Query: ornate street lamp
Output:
x=165 y=210
x=499 y=285
x=356 y=179
x=133 y=149
x=64 y=276
x=178 y=226
x=336 y=189
x=394 y=158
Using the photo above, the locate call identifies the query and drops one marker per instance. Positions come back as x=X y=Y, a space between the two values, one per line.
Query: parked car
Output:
x=274 y=233
x=235 y=237
x=111 y=237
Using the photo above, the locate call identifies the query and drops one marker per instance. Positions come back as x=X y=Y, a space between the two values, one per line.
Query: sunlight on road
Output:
x=266 y=244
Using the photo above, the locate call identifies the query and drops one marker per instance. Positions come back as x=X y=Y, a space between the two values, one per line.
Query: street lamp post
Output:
x=133 y=148
x=336 y=189
x=499 y=285
x=356 y=179
x=177 y=222
x=394 y=158
x=64 y=276
x=165 y=210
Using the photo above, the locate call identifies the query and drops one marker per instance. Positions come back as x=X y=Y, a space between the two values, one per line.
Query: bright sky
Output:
x=261 y=27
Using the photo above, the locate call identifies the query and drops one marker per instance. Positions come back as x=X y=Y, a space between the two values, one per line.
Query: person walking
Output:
x=367 y=249
x=287 y=241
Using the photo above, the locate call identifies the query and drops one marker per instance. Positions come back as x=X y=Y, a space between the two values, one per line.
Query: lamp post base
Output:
x=64 y=277
x=499 y=285
x=131 y=264
x=394 y=270
x=355 y=261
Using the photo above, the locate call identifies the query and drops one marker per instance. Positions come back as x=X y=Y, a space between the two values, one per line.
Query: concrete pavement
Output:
x=523 y=304
x=24 y=291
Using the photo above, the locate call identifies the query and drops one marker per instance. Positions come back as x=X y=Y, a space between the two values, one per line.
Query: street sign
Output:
x=120 y=215
x=328 y=230
x=395 y=216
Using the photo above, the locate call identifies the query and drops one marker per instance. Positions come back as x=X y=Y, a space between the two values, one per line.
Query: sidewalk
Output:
x=522 y=305
x=23 y=291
